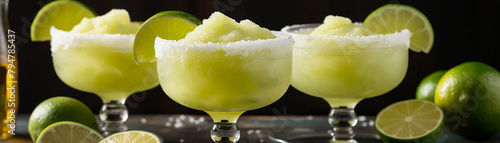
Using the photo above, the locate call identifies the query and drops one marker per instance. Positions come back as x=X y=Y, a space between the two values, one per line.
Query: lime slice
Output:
x=68 y=132
x=410 y=121
x=132 y=137
x=63 y=14
x=170 y=25
x=396 y=17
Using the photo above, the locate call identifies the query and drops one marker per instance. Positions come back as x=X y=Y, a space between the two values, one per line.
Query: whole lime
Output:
x=427 y=87
x=57 y=109
x=469 y=95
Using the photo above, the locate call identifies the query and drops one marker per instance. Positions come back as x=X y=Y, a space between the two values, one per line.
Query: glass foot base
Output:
x=225 y=132
x=111 y=128
x=113 y=114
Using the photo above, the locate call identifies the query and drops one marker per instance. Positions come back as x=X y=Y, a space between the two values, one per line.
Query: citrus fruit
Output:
x=132 y=137
x=469 y=95
x=68 y=132
x=170 y=25
x=63 y=14
x=410 y=121
x=427 y=86
x=392 y=18
x=58 y=109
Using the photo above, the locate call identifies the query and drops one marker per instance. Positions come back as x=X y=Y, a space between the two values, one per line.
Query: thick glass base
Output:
x=225 y=132
x=344 y=141
x=111 y=128
x=342 y=119
x=113 y=114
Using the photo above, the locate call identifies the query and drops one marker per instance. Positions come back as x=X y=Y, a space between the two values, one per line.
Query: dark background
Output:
x=464 y=31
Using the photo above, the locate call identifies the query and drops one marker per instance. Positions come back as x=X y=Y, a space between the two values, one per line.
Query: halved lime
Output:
x=392 y=18
x=63 y=14
x=57 y=109
x=410 y=121
x=170 y=25
x=132 y=137
x=68 y=132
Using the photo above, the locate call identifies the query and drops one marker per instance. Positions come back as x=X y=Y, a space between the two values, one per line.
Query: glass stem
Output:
x=113 y=114
x=225 y=132
x=343 y=119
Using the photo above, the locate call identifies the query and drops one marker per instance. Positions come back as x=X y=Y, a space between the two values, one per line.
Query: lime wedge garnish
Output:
x=68 y=132
x=170 y=25
x=392 y=18
x=63 y=14
x=132 y=137
x=410 y=121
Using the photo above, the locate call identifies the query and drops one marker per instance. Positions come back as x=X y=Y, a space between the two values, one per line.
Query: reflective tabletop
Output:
x=179 y=128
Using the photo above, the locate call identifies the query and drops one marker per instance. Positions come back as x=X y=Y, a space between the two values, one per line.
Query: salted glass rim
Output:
x=282 y=44
x=61 y=39
x=397 y=38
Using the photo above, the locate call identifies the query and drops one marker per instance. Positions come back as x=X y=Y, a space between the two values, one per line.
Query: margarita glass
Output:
x=102 y=64
x=344 y=70
x=225 y=79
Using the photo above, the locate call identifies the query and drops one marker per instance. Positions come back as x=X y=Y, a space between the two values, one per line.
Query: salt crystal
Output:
x=64 y=40
x=168 y=124
x=361 y=118
x=169 y=48
x=178 y=124
x=310 y=117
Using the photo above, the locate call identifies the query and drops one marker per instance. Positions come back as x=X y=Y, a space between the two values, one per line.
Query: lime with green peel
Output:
x=170 y=25
x=469 y=94
x=134 y=136
x=427 y=87
x=63 y=14
x=410 y=121
x=392 y=18
x=68 y=132
x=58 y=109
